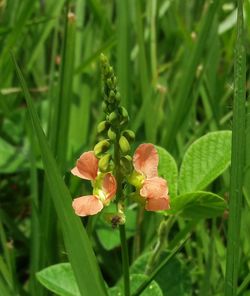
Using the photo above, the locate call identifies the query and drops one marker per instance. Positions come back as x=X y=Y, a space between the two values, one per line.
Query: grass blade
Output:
x=183 y=103
x=76 y=241
x=238 y=159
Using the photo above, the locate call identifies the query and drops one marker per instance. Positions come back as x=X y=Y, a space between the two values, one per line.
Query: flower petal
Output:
x=87 y=205
x=154 y=188
x=86 y=166
x=109 y=186
x=146 y=160
x=157 y=204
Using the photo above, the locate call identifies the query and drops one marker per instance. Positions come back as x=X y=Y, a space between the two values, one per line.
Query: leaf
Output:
x=198 y=205
x=11 y=158
x=173 y=279
x=59 y=279
x=135 y=281
x=204 y=161
x=78 y=246
x=168 y=170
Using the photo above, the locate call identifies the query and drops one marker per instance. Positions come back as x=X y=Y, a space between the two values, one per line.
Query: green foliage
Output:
x=75 y=237
x=168 y=170
x=136 y=280
x=175 y=76
x=173 y=279
x=59 y=279
x=198 y=205
x=204 y=161
x=12 y=159
x=109 y=237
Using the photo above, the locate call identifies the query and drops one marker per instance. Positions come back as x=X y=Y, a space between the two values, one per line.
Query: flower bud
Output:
x=102 y=126
x=109 y=83
x=126 y=164
x=101 y=147
x=113 y=117
x=105 y=107
x=103 y=163
x=103 y=59
x=124 y=145
x=129 y=135
x=124 y=115
x=111 y=134
x=118 y=97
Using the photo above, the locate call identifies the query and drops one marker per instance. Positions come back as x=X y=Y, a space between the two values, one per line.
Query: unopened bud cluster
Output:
x=113 y=129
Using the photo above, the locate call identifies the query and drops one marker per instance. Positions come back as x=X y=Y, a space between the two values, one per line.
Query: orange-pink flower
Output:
x=151 y=187
x=104 y=186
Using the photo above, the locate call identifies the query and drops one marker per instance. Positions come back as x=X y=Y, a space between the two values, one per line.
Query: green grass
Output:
x=177 y=78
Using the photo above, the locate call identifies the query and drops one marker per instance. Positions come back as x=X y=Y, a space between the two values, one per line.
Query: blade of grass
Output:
x=59 y=128
x=123 y=51
x=183 y=101
x=76 y=241
x=34 y=286
x=53 y=10
x=238 y=159
x=18 y=26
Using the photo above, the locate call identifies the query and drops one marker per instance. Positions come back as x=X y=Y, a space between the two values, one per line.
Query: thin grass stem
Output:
x=238 y=159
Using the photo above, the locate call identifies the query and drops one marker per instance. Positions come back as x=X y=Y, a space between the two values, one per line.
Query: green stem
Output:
x=125 y=260
x=163 y=231
x=120 y=202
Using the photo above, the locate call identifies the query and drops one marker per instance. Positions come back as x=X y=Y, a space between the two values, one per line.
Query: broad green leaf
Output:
x=198 y=205
x=168 y=170
x=173 y=279
x=204 y=161
x=78 y=246
x=59 y=279
x=135 y=281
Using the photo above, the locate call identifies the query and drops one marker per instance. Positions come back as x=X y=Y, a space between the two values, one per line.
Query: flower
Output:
x=151 y=187
x=104 y=186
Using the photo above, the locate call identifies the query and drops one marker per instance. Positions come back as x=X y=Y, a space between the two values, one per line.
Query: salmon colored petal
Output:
x=157 y=204
x=109 y=186
x=146 y=160
x=86 y=166
x=87 y=205
x=154 y=188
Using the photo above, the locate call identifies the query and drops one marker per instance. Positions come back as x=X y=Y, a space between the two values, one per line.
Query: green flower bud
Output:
x=111 y=134
x=105 y=107
x=103 y=163
x=118 y=97
x=124 y=115
x=126 y=164
x=113 y=117
x=103 y=59
x=124 y=145
x=109 y=83
x=101 y=147
x=136 y=179
x=129 y=135
x=102 y=126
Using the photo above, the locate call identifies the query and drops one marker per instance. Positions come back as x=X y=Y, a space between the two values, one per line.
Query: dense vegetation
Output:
x=180 y=68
